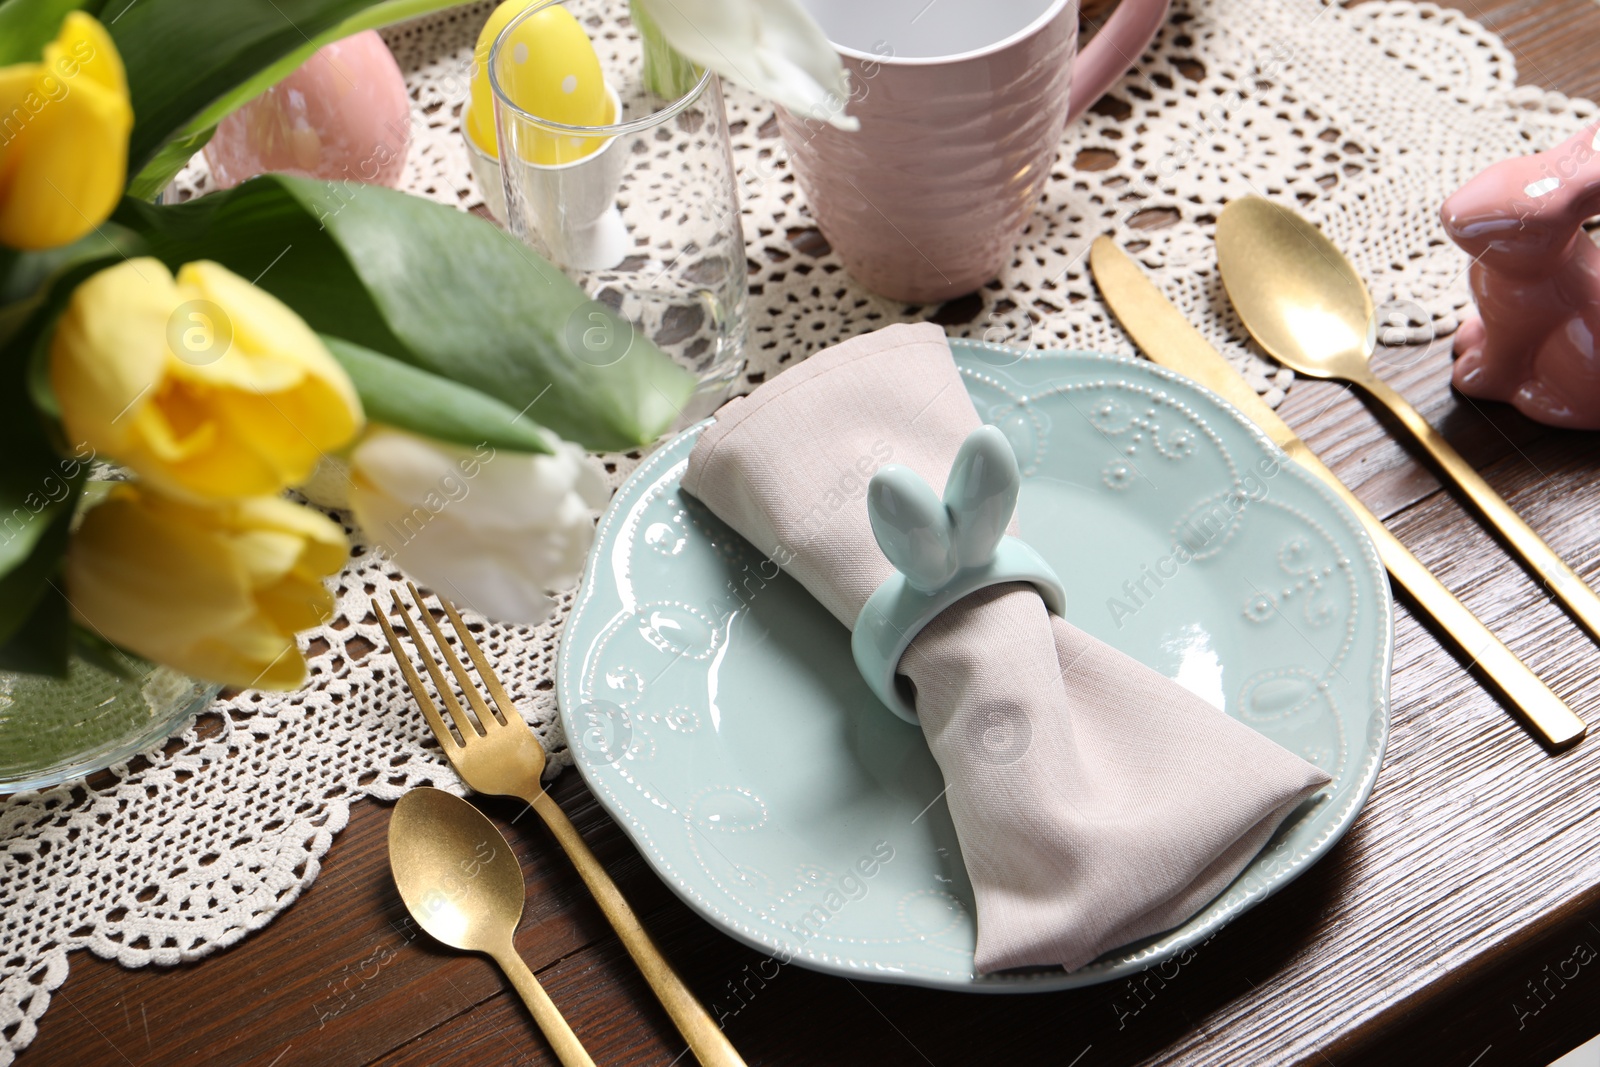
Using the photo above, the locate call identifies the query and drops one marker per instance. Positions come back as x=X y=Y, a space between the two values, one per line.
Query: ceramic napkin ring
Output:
x=942 y=550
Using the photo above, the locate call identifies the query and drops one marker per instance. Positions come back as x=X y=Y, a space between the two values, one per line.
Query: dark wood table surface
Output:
x=1457 y=923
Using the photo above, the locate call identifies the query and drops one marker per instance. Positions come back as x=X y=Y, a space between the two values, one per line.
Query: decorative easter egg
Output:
x=343 y=115
x=548 y=68
x=479 y=123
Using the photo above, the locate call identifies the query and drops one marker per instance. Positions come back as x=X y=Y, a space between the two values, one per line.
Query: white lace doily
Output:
x=1367 y=116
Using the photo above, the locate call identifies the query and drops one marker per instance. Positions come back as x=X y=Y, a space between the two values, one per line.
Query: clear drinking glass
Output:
x=641 y=209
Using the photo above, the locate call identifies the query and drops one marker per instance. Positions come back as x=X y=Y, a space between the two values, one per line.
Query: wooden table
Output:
x=1457 y=923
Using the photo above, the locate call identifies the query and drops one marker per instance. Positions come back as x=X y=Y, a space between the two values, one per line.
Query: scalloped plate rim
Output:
x=1121 y=962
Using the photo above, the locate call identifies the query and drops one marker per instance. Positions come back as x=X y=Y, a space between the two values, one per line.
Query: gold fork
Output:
x=499 y=755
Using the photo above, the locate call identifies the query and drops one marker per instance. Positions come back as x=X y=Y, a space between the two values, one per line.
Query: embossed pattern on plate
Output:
x=714 y=709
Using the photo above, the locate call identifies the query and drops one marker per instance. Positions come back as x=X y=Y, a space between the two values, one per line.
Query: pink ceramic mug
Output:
x=962 y=104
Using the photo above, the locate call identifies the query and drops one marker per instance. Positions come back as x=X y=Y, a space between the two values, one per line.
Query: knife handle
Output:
x=1558 y=724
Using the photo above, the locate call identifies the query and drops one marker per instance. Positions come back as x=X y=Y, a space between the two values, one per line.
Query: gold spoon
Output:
x=460 y=881
x=1306 y=305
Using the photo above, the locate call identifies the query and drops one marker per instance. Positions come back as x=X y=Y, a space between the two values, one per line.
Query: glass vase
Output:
x=53 y=730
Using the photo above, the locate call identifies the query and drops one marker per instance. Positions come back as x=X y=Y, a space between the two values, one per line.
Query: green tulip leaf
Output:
x=33 y=536
x=370 y=16
x=191 y=62
x=27 y=278
x=42 y=639
x=42 y=474
x=26 y=343
x=165 y=165
x=96 y=651
x=436 y=288
x=26 y=26
x=401 y=395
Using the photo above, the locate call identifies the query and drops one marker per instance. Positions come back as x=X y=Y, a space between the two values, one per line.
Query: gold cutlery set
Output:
x=1306 y=306
x=1301 y=300
x=456 y=872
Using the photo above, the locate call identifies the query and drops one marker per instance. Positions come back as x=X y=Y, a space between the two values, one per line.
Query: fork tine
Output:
x=485 y=716
x=491 y=680
x=430 y=711
x=467 y=727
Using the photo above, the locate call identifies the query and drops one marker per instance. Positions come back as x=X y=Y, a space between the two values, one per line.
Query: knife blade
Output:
x=1168 y=338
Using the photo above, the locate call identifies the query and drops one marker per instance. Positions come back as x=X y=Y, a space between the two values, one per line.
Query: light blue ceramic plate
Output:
x=715 y=710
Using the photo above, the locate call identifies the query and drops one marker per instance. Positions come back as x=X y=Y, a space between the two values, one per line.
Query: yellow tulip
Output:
x=64 y=125
x=217 y=591
x=206 y=386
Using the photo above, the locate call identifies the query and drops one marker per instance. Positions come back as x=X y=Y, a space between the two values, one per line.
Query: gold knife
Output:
x=1167 y=338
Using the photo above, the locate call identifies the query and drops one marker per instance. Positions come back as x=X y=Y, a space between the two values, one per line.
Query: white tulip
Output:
x=772 y=47
x=329 y=484
x=491 y=529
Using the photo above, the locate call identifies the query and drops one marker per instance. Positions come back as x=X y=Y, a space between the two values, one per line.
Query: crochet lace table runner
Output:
x=1367 y=116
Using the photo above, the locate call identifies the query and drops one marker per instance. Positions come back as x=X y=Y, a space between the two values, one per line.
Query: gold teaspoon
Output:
x=460 y=881
x=1306 y=305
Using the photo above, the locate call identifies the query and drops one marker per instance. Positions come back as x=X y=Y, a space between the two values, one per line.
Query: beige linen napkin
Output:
x=1096 y=801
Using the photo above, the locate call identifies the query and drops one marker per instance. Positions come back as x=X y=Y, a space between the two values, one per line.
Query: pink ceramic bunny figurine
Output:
x=1536 y=339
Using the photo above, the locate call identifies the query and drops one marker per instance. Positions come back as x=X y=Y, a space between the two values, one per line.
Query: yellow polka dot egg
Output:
x=548 y=68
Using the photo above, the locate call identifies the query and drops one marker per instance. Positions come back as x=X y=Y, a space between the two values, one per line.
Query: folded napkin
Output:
x=1096 y=801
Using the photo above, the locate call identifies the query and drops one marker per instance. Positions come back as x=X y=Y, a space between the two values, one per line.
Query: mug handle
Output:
x=1131 y=27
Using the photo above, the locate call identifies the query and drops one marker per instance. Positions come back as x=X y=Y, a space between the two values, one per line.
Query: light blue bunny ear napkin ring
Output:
x=942 y=550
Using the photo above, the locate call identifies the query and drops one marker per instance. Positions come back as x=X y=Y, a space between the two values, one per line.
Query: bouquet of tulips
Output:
x=376 y=351
x=407 y=358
